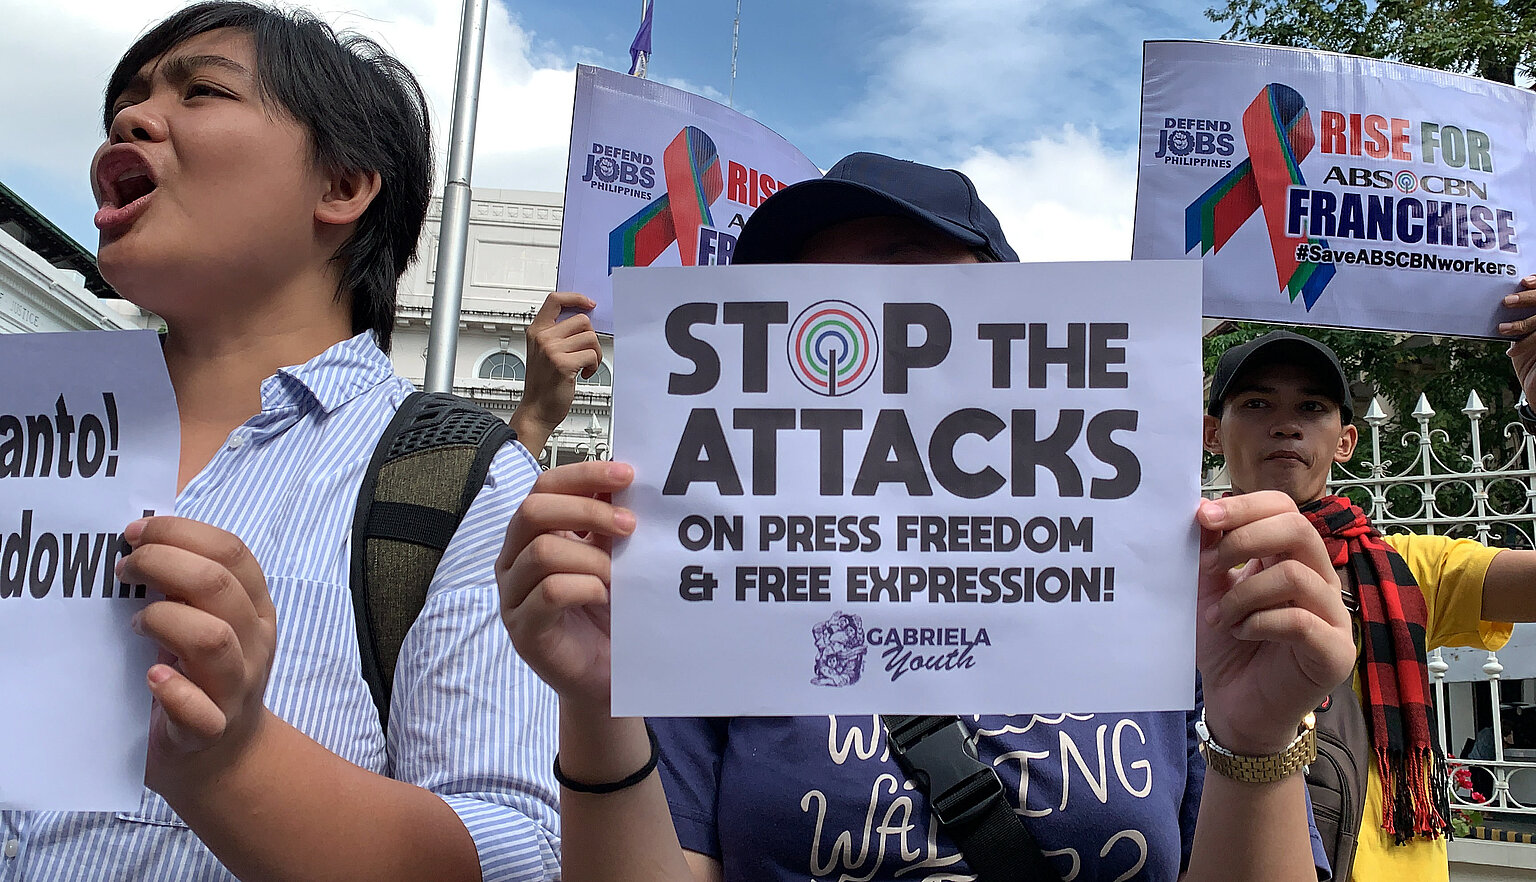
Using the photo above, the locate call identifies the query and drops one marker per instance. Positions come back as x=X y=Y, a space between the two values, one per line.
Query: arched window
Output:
x=501 y=366
x=603 y=377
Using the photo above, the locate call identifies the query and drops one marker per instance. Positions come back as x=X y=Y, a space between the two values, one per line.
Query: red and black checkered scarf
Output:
x=1395 y=675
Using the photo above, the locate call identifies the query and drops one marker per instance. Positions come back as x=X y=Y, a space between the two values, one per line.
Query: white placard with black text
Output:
x=89 y=442
x=938 y=489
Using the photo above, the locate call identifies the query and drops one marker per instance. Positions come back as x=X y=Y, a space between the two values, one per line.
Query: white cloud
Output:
x=1061 y=196
x=957 y=82
x=54 y=61
x=55 y=57
x=944 y=75
x=942 y=72
x=524 y=120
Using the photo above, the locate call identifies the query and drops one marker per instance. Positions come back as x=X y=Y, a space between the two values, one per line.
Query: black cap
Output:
x=1301 y=348
x=870 y=185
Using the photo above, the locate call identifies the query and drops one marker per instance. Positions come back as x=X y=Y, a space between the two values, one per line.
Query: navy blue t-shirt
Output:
x=1109 y=796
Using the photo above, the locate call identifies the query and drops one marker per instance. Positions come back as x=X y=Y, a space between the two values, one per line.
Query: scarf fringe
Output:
x=1414 y=795
x=1440 y=793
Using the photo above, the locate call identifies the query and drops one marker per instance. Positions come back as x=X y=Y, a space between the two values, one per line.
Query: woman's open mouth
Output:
x=125 y=183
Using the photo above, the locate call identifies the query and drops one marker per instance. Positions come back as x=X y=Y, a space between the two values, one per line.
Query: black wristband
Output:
x=614 y=786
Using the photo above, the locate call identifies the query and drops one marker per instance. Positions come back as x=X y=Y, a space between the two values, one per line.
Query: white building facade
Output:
x=35 y=296
x=43 y=276
x=514 y=246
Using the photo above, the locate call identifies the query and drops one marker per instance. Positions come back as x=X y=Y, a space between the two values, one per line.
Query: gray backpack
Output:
x=1336 y=780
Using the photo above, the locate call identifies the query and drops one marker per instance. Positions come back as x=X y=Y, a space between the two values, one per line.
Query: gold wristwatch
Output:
x=1260 y=769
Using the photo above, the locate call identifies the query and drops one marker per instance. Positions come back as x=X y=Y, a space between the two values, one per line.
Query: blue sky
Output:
x=851 y=74
x=1036 y=99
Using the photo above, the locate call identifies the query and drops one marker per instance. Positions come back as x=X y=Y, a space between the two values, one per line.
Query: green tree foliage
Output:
x=1487 y=38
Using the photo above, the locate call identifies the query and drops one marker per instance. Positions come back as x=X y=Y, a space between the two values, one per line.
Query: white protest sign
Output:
x=907 y=489
x=89 y=442
x=1326 y=189
x=659 y=177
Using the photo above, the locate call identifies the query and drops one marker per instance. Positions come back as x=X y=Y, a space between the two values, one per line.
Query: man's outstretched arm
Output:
x=1509 y=590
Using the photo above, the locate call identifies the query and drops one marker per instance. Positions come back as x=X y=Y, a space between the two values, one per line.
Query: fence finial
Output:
x=1475 y=407
x=1422 y=410
x=1374 y=415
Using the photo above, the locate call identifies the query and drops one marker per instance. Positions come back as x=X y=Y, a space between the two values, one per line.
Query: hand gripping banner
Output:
x=1279 y=135
x=691 y=165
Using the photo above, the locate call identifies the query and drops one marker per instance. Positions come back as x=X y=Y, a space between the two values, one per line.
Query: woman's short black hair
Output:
x=364 y=111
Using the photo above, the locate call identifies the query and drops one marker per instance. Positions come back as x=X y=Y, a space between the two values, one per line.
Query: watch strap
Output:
x=1295 y=757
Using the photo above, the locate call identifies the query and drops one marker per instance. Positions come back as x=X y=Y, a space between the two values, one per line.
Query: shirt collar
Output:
x=332 y=378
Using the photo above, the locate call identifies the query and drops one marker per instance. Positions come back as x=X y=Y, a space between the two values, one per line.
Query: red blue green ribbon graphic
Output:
x=1279 y=133
x=691 y=165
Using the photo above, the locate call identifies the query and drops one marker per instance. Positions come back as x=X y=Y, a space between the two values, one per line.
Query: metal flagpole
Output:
x=453 y=236
x=644 y=57
x=735 y=41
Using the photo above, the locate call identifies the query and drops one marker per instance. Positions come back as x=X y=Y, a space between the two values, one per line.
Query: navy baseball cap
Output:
x=1281 y=346
x=870 y=185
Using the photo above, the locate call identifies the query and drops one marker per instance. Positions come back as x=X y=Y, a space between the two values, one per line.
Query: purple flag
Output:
x=641 y=45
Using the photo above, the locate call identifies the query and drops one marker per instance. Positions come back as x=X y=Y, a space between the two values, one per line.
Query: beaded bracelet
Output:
x=613 y=786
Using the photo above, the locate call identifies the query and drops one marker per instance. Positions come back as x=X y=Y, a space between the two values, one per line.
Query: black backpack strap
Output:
x=938 y=756
x=426 y=470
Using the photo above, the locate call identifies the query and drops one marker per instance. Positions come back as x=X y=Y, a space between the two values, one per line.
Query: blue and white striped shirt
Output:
x=468 y=720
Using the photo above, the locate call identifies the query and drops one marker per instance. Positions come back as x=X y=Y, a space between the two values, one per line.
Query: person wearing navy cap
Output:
x=891 y=208
x=820 y=797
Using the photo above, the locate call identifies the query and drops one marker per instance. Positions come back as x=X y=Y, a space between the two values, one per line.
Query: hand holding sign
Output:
x=554 y=573
x=1522 y=350
x=1273 y=636
x=559 y=350
x=217 y=631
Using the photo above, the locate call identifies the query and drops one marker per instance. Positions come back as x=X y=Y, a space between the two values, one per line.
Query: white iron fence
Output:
x=1406 y=484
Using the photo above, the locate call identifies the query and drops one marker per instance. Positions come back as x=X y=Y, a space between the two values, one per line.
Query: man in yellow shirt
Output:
x=1280 y=414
